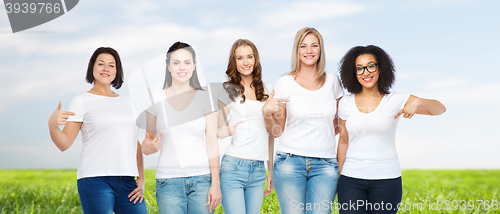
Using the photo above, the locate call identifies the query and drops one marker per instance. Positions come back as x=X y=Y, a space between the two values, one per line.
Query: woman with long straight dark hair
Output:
x=187 y=174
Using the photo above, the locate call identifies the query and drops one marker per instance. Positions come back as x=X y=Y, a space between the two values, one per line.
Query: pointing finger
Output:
x=283 y=100
x=272 y=95
x=238 y=123
x=159 y=134
x=397 y=115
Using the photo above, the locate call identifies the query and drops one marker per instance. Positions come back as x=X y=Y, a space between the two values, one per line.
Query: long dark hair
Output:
x=193 y=81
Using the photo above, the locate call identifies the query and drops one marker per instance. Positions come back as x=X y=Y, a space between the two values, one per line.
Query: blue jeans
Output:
x=108 y=194
x=369 y=196
x=184 y=195
x=305 y=184
x=242 y=184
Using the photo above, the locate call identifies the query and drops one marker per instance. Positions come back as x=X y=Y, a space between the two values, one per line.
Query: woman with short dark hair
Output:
x=111 y=156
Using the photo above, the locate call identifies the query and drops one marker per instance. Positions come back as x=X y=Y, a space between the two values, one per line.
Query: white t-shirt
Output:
x=371 y=153
x=183 y=152
x=309 y=127
x=109 y=135
x=250 y=140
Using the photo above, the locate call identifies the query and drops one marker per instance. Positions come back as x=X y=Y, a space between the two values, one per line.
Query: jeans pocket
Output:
x=330 y=162
x=161 y=182
x=207 y=177
x=92 y=178
x=228 y=166
x=280 y=158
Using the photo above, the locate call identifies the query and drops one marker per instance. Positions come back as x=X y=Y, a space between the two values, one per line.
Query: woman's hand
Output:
x=214 y=197
x=137 y=193
x=226 y=131
x=270 y=185
x=273 y=105
x=411 y=107
x=59 y=117
x=151 y=145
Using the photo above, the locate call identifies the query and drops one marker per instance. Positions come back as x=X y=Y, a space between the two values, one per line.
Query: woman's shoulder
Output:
x=347 y=98
x=397 y=95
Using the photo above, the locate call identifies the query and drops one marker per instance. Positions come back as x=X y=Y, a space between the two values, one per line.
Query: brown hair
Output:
x=234 y=76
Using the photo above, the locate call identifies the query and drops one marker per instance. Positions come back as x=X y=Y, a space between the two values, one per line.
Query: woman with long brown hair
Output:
x=243 y=173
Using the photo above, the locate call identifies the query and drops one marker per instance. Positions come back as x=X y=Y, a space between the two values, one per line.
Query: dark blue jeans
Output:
x=108 y=194
x=369 y=196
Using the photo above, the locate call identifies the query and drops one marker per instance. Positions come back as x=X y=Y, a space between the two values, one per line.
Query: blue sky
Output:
x=442 y=49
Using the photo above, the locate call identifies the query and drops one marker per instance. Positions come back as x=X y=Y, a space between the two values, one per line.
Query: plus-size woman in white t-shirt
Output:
x=368 y=161
x=303 y=111
x=187 y=174
x=111 y=156
x=243 y=173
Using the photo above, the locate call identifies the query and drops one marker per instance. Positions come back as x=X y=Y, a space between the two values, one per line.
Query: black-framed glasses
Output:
x=372 y=67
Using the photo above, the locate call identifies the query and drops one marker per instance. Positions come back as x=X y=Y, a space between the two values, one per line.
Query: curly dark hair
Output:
x=348 y=68
x=234 y=76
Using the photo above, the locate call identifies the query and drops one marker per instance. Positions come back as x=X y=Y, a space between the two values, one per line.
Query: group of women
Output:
x=306 y=108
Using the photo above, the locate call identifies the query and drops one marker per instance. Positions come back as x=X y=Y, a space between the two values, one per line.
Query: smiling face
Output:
x=104 y=69
x=309 y=50
x=181 y=66
x=245 y=60
x=367 y=80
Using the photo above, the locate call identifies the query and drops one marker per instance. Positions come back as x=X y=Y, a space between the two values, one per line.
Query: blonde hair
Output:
x=299 y=37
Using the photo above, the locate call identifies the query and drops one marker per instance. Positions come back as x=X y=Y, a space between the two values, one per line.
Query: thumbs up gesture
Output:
x=59 y=117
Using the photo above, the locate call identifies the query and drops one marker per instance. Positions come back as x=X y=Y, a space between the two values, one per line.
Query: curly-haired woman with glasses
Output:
x=368 y=161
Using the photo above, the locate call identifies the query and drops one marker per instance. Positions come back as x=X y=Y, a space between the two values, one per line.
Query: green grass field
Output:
x=424 y=191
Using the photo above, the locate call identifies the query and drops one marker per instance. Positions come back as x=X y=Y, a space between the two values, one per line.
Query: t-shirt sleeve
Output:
x=402 y=98
x=343 y=108
x=280 y=88
x=76 y=106
x=338 y=91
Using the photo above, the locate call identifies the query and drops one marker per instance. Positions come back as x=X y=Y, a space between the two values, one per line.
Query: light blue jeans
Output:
x=184 y=195
x=305 y=184
x=242 y=184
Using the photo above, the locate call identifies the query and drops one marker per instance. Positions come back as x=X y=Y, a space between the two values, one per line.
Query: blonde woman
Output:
x=302 y=110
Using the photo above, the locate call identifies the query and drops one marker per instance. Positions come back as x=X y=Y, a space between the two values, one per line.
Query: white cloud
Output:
x=307 y=11
x=467 y=94
x=446 y=83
